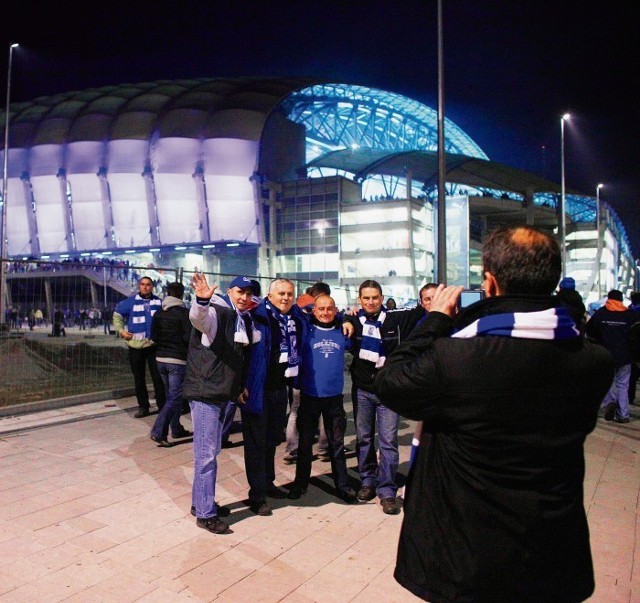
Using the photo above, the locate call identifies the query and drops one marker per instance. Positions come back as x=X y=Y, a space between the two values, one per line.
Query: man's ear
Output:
x=490 y=285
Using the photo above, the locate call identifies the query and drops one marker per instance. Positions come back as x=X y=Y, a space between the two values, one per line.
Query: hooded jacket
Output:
x=171 y=330
x=494 y=505
x=610 y=326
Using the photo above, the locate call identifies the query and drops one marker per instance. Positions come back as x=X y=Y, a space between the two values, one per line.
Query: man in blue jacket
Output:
x=274 y=365
x=610 y=326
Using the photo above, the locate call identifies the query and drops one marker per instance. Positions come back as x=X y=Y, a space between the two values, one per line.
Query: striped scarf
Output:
x=372 y=348
x=139 y=322
x=288 y=340
x=551 y=324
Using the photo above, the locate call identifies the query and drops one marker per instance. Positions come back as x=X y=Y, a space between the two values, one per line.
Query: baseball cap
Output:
x=567 y=283
x=242 y=282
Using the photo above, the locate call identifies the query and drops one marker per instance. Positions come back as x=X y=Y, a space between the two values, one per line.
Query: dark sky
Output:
x=512 y=68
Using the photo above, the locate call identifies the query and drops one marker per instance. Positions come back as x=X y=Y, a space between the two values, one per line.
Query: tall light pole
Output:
x=599 y=238
x=563 y=218
x=3 y=243
x=441 y=270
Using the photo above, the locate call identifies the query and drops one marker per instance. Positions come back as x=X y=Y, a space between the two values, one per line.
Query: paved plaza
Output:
x=92 y=511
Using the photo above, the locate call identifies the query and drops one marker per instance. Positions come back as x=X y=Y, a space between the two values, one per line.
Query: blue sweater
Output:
x=322 y=361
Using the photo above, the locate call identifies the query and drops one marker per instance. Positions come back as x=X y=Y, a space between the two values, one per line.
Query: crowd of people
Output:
x=503 y=394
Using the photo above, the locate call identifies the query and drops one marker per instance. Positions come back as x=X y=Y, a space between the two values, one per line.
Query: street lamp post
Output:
x=563 y=218
x=3 y=242
x=598 y=235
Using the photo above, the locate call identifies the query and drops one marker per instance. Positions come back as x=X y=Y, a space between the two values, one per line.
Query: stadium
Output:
x=299 y=178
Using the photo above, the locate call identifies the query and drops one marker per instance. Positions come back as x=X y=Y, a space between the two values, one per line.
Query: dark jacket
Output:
x=261 y=353
x=216 y=372
x=494 y=503
x=170 y=330
x=395 y=328
x=611 y=329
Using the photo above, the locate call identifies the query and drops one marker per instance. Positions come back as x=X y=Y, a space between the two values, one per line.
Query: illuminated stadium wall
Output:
x=205 y=168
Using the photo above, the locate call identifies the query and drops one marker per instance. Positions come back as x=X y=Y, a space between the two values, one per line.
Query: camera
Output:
x=469 y=296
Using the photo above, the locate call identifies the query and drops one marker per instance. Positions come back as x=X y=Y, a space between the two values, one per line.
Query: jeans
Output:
x=293 y=430
x=262 y=433
x=227 y=420
x=619 y=391
x=138 y=359
x=207 y=433
x=172 y=376
x=335 y=423
x=380 y=476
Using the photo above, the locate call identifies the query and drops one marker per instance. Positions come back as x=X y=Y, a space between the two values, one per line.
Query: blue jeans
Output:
x=619 y=391
x=207 y=436
x=380 y=476
x=172 y=376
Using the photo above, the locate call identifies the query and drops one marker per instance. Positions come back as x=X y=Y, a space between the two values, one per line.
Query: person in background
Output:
x=634 y=348
x=132 y=322
x=170 y=331
x=508 y=390
x=610 y=326
x=321 y=383
x=217 y=367
x=572 y=300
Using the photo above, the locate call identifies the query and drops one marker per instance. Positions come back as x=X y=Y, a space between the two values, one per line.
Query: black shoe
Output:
x=289 y=459
x=621 y=419
x=183 y=433
x=390 y=505
x=610 y=411
x=261 y=508
x=325 y=455
x=221 y=511
x=296 y=492
x=366 y=493
x=226 y=444
x=348 y=496
x=274 y=492
x=212 y=524
x=142 y=412
x=160 y=442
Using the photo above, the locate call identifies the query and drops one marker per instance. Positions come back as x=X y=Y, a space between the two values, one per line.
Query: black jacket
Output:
x=171 y=329
x=395 y=328
x=494 y=503
x=216 y=372
x=611 y=329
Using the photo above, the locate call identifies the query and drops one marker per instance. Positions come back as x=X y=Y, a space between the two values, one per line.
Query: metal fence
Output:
x=56 y=339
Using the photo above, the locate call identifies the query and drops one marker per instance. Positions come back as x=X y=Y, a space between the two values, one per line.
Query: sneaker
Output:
x=221 y=511
x=348 y=496
x=274 y=492
x=621 y=419
x=212 y=524
x=366 y=493
x=261 y=508
x=183 y=433
x=142 y=412
x=160 y=442
x=390 y=505
x=289 y=459
x=610 y=411
x=324 y=455
x=296 y=492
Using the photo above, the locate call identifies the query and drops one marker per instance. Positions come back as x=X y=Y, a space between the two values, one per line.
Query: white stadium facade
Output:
x=271 y=177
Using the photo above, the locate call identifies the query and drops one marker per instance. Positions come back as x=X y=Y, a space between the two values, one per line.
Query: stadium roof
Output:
x=423 y=165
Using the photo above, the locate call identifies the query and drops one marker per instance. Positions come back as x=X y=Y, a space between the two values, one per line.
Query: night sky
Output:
x=512 y=68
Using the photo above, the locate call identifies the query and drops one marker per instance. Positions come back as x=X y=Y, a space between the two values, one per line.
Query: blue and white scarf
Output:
x=288 y=340
x=241 y=336
x=372 y=347
x=551 y=324
x=142 y=311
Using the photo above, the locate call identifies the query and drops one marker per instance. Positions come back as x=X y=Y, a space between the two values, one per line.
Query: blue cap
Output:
x=567 y=283
x=242 y=282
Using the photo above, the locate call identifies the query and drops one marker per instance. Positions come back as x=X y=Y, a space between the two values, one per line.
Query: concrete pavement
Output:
x=92 y=510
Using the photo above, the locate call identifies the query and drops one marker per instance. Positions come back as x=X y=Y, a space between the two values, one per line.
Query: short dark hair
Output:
x=319 y=288
x=425 y=287
x=635 y=297
x=256 y=289
x=369 y=284
x=523 y=259
x=615 y=294
x=175 y=290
